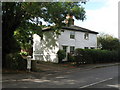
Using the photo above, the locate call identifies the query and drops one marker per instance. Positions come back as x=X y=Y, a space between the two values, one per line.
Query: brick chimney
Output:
x=69 y=20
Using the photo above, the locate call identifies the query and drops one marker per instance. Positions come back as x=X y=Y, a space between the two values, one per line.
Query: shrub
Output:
x=61 y=55
x=79 y=56
x=95 y=56
x=15 y=61
x=70 y=57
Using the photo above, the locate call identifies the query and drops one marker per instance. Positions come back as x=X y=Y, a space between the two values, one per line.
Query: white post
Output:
x=29 y=63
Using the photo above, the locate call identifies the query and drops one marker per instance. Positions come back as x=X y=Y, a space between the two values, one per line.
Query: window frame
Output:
x=72 y=34
x=86 y=47
x=92 y=47
x=72 y=51
x=64 y=48
x=86 y=36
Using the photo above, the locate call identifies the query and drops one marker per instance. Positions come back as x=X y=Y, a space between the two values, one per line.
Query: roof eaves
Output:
x=81 y=30
x=72 y=28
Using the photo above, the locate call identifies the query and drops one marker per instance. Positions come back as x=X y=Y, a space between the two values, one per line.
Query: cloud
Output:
x=104 y=19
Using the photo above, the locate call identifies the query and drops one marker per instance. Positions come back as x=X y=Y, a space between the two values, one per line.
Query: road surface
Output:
x=105 y=77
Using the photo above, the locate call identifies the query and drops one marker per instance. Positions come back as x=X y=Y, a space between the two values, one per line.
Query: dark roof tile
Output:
x=73 y=27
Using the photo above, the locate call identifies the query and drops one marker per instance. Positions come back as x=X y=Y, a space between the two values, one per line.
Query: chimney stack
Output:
x=69 y=20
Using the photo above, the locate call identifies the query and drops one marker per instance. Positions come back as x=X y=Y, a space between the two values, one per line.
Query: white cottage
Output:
x=71 y=37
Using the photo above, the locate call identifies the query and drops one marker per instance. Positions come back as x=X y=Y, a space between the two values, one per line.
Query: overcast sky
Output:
x=102 y=16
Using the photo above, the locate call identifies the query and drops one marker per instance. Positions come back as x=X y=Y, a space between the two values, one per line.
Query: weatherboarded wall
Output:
x=79 y=41
x=45 y=49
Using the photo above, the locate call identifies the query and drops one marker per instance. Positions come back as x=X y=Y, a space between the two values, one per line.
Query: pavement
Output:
x=53 y=69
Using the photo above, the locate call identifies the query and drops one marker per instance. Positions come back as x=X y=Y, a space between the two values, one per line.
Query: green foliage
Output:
x=24 y=53
x=95 y=56
x=79 y=56
x=119 y=53
x=108 y=42
x=61 y=55
x=78 y=12
x=15 y=61
x=23 y=17
x=70 y=58
x=23 y=38
x=51 y=12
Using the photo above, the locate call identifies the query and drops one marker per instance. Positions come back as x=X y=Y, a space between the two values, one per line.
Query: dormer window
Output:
x=86 y=36
x=72 y=35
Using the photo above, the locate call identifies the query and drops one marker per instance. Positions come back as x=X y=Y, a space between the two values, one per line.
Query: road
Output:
x=105 y=77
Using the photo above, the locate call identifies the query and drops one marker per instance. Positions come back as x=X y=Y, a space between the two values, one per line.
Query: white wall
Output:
x=45 y=49
x=79 y=41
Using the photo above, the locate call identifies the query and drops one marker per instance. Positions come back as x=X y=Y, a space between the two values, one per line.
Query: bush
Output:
x=119 y=54
x=91 y=56
x=16 y=62
x=61 y=55
x=80 y=56
x=70 y=58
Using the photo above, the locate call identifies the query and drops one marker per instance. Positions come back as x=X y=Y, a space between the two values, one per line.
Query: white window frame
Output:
x=73 y=50
x=72 y=34
x=86 y=36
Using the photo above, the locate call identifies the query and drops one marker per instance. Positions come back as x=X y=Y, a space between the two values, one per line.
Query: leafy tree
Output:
x=26 y=16
x=108 y=42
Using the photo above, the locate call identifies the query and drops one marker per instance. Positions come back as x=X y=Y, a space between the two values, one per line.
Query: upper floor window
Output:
x=72 y=35
x=86 y=36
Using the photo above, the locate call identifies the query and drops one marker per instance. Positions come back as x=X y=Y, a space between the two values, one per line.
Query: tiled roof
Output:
x=75 y=28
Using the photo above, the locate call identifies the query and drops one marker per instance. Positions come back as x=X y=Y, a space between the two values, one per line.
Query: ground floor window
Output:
x=92 y=47
x=86 y=48
x=72 y=49
x=65 y=48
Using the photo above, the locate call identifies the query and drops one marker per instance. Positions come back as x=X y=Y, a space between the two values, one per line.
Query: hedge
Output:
x=16 y=62
x=95 y=56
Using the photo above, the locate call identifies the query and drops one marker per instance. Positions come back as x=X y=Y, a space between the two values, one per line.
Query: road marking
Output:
x=95 y=83
x=116 y=86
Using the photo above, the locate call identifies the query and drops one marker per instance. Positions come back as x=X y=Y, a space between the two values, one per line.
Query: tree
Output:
x=28 y=14
x=108 y=42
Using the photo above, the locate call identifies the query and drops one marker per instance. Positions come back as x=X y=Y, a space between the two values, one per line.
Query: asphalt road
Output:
x=105 y=77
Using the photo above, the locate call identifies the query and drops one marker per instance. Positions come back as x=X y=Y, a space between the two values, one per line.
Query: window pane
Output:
x=72 y=48
x=92 y=47
x=65 y=48
x=86 y=48
x=72 y=34
x=86 y=36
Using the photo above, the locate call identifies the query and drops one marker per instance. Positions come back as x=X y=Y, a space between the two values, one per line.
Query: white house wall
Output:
x=46 y=49
x=79 y=41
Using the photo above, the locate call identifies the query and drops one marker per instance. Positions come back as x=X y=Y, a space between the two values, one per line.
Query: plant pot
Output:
x=24 y=56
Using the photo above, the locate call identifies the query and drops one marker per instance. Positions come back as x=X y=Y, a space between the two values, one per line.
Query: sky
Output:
x=101 y=16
